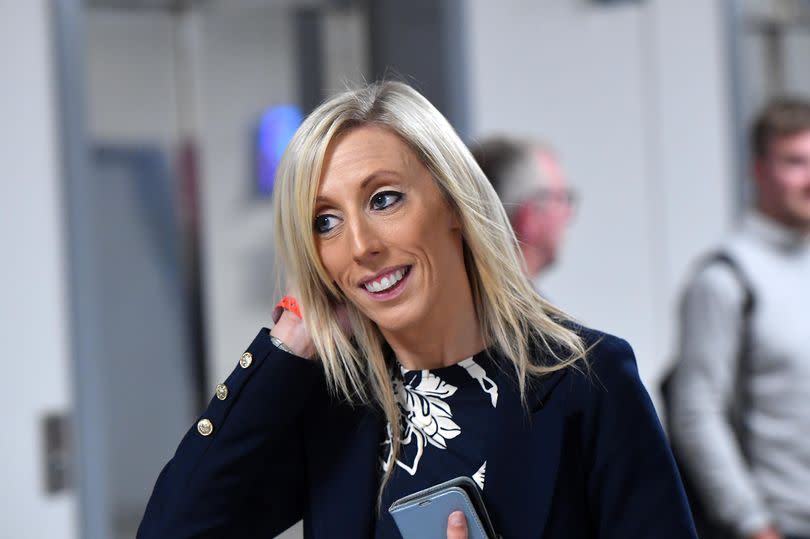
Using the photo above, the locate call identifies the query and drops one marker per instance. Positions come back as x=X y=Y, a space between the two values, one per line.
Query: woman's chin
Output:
x=398 y=322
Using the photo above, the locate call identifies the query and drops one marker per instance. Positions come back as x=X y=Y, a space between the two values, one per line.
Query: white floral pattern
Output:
x=480 y=475
x=478 y=373
x=427 y=417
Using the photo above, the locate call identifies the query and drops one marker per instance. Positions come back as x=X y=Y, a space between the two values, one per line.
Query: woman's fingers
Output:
x=291 y=292
x=456 y=526
x=293 y=334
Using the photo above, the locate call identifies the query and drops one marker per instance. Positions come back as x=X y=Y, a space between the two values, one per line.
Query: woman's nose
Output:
x=365 y=241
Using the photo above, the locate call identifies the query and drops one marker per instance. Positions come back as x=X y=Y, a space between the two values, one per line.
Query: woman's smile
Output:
x=387 y=284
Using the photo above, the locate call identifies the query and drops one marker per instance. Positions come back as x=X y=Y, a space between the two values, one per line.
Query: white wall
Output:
x=229 y=66
x=245 y=64
x=797 y=61
x=794 y=45
x=633 y=98
x=345 y=50
x=131 y=83
x=33 y=312
x=131 y=105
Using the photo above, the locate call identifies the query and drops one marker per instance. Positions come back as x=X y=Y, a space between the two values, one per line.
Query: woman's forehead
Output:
x=362 y=152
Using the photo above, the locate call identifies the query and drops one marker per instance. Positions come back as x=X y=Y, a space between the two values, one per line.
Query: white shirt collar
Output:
x=774 y=232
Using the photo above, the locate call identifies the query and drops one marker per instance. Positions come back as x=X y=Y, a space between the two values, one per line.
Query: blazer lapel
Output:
x=525 y=450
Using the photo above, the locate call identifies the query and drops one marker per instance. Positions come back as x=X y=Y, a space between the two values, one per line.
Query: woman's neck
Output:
x=450 y=335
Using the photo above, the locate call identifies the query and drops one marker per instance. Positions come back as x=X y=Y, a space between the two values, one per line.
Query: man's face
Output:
x=783 y=180
x=541 y=221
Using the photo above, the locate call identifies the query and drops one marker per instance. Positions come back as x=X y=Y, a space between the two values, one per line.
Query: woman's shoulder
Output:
x=608 y=370
x=606 y=353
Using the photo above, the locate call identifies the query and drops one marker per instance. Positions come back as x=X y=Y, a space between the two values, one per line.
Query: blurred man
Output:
x=535 y=193
x=740 y=401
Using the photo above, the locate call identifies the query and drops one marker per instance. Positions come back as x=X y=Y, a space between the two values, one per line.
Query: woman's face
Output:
x=384 y=232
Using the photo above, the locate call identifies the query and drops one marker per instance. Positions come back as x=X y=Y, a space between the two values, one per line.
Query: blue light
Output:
x=276 y=127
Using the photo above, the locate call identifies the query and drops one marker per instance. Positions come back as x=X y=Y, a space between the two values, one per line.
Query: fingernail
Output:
x=457 y=518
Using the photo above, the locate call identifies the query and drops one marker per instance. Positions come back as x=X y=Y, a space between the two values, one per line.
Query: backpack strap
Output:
x=706 y=525
x=746 y=312
x=748 y=306
x=749 y=300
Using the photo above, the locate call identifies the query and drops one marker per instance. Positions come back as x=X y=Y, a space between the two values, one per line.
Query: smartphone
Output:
x=423 y=514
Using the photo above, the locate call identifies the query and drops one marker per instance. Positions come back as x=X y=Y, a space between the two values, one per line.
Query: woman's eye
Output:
x=384 y=199
x=324 y=223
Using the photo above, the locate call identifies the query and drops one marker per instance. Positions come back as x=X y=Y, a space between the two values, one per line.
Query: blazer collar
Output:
x=524 y=456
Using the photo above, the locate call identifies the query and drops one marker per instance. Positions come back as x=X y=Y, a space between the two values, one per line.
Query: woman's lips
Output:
x=388 y=285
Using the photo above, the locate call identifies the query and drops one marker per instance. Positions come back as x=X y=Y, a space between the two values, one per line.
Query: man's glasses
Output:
x=565 y=197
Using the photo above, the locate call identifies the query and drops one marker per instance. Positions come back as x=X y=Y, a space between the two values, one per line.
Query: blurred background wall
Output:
x=131 y=210
x=36 y=362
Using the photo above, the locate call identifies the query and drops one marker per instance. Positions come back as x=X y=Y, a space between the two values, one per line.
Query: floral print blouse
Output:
x=445 y=418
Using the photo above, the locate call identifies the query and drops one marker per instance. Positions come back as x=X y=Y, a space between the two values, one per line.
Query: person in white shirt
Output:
x=752 y=476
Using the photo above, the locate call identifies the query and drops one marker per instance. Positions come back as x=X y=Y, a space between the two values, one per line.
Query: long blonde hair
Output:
x=515 y=321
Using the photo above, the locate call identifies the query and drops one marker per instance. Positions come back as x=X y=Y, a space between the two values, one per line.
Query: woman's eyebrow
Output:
x=377 y=173
x=321 y=199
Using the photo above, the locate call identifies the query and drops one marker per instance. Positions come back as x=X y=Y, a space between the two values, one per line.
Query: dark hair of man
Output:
x=781 y=117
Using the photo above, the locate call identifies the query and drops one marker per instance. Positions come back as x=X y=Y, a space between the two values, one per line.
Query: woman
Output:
x=429 y=357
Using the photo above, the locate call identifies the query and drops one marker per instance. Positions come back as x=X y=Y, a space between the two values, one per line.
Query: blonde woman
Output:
x=414 y=350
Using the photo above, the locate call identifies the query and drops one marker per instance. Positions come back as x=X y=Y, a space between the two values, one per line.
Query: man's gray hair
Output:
x=510 y=164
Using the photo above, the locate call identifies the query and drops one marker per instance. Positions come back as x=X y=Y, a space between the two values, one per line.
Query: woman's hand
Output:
x=292 y=331
x=456 y=526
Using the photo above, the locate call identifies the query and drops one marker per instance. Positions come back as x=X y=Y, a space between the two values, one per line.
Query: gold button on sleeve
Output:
x=222 y=392
x=205 y=427
x=246 y=360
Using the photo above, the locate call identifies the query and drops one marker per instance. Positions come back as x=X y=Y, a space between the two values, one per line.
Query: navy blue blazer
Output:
x=585 y=458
